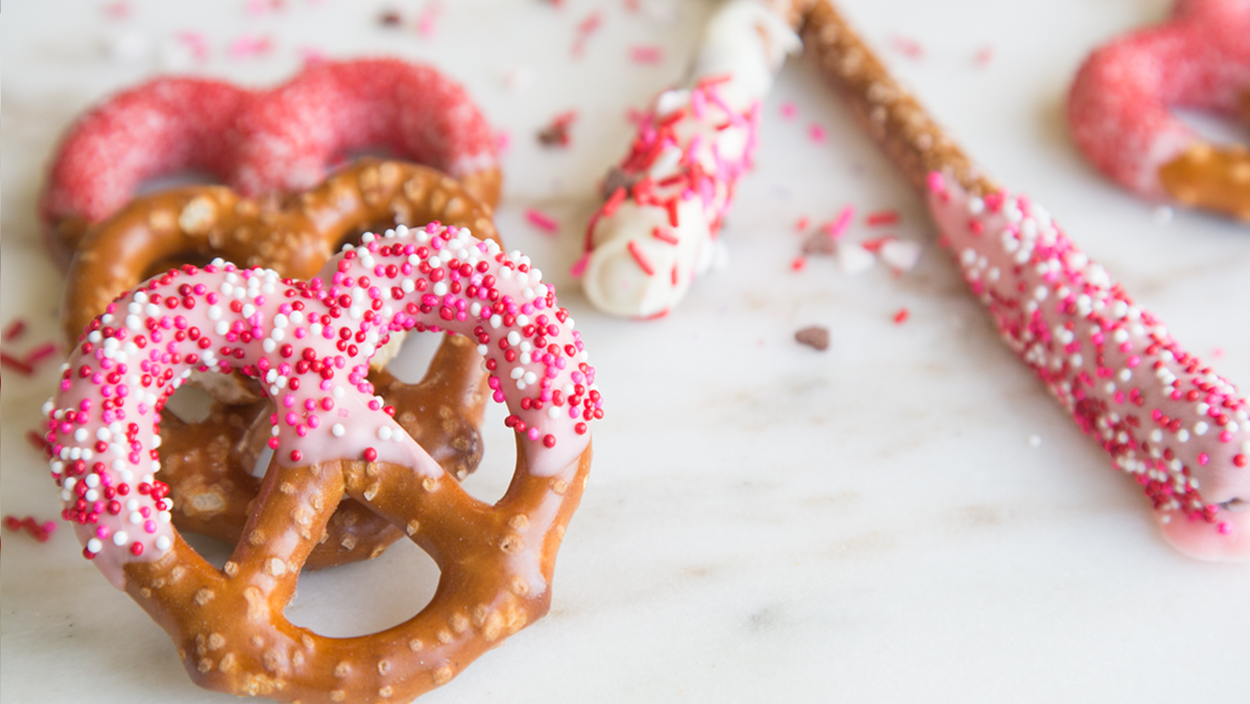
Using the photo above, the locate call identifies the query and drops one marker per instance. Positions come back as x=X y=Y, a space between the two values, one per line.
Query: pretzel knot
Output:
x=262 y=142
x=207 y=464
x=331 y=439
x=1120 y=99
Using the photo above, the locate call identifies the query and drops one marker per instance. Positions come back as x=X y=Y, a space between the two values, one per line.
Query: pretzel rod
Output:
x=1166 y=419
x=665 y=202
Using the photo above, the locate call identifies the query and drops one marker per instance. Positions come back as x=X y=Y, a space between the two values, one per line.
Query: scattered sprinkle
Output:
x=984 y=56
x=837 y=227
x=799 y=263
x=428 y=19
x=541 y=220
x=585 y=28
x=816 y=133
x=789 y=110
x=33 y=528
x=814 y=336
x=17 y=365
x=646 y=54
x=902 y=315
x=882 y=217
x=802 y=223
x=908 y=47
x=14 y=330
x=250 y=45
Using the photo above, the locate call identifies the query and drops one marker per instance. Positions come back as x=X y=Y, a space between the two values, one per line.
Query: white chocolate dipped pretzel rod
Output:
x=1169 y=421
x=665 y=202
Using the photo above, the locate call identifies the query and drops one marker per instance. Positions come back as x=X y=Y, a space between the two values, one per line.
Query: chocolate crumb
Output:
x=818 y=242
x=814 y=336
x=390 y=18
x=617 y=178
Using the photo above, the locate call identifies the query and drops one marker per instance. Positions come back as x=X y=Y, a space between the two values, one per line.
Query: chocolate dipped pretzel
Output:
x=331 y=439
x=208 y=464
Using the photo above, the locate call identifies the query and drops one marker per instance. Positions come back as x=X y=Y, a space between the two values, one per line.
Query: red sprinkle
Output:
x=33 y=528
x=799 y=263
x=8 y=360
x=639 y=257
x=14 y=330
x=902 y=315
x=663 y=235
x=882 y=217
x=40 y=353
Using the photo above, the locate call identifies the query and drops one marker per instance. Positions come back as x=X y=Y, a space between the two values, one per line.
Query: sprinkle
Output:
x=579 y=266
x=908 y=47
x=17 y=365
x=249 y=45
x=40 y=353
x=901 y=316
x=788 y=110
x=428 y=18
x=639 y=257
x=838 y=226
x=541 y=220
x=882 y=217
x=39 y=531
x=802 y=223
x=585 y=28
x=816 y=133
x=984 y=56
x=14 y=330
x=799 y=263
x=646 y=54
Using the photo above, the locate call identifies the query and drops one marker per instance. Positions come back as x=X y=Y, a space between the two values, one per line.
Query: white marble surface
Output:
x=877 y=522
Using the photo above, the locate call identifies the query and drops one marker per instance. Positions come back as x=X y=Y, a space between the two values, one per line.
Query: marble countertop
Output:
x=906 y=516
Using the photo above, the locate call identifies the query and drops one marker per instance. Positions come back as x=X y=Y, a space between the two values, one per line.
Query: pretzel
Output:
x=331 y=439
x=208 y=464
x=263 y=142
x=665 y=202
x=1119 y=106
x=1167 y=420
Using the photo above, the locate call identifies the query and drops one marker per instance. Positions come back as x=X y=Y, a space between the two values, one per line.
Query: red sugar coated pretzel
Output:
x=1166 y=419
x=331 y=439
x=263 y=142
x=1119 y=106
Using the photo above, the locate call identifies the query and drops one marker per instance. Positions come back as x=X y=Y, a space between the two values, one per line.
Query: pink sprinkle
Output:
x=937 y=184
x=1225 y=528
x=117 y=10
x=428 y=18
x=816 y=133
x=788 y=110
x=196 y=42
x=1217 y=353
x=908 y=47
x=838 y=227
x=503 y=140
x=249 y=45
x=646 y=54
x=541 y=220
x=311 y=55
x=585 y=28
x=984 y=56
x=579 y=266
x=802 y=223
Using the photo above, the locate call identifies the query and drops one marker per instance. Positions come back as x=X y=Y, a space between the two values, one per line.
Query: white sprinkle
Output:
x=384 y=433
x=338 y=430
x=120 y=538
x=94 y=545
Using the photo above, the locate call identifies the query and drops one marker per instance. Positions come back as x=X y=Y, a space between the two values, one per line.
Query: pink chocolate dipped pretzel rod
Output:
x=1168 y=420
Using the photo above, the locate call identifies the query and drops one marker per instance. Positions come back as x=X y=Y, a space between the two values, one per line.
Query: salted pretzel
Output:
x=331 y=439
x=664 y=203
x=1166 y=419
x=263 y=142
x=1119 y=106
x=208 y=464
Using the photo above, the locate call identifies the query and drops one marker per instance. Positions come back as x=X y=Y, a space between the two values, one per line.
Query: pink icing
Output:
x=310 y=342
x=1170 y=422
x=1119 y=102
